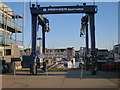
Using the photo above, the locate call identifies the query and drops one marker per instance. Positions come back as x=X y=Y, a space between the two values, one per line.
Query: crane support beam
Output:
x=34 y=33
x=87 y=40
x=43 y=46
x=92 y=31
x=93 y=50
x=43 y=39
x=64 y=9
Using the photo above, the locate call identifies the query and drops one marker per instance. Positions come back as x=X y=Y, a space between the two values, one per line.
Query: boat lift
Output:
x=37 y=19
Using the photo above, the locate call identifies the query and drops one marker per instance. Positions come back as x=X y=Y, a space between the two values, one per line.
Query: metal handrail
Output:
x=10 y=41
x=10 y=23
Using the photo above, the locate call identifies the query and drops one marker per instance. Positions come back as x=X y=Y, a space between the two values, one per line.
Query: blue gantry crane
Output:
x=37 y=11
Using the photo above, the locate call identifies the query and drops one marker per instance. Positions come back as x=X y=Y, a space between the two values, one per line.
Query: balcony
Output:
x=9 y=41
x=11 y=25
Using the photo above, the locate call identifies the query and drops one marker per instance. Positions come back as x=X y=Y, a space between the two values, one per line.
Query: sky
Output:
x=65 y=28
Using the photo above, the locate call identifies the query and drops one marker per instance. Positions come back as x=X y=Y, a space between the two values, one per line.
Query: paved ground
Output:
x=59 y=79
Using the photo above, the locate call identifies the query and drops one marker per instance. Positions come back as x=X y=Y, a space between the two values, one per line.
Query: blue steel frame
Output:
x=90 y=10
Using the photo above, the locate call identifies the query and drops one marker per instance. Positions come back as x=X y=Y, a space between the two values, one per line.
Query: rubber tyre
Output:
x=33 y=69
x=93 y=71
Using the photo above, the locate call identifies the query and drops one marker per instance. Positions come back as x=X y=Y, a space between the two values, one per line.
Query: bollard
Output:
x=46 y=72
x=14 y=70
x=81 y=73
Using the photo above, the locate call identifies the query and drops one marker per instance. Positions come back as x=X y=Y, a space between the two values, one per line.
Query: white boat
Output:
x=68 y=64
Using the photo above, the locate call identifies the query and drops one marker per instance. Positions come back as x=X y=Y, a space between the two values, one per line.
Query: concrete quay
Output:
x=59 y=79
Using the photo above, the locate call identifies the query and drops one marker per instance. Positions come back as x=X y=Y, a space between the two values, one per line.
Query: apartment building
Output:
x=67 y=53
x=11 y=33
x=56 y=52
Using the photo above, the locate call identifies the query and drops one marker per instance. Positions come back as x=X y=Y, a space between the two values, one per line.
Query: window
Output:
x=8 y=52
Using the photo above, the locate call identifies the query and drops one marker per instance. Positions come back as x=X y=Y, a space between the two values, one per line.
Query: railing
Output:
x=10 y=23
x=9 y=41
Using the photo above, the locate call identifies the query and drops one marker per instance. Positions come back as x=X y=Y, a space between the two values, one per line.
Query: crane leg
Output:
x=33 y=66
x=92 y=32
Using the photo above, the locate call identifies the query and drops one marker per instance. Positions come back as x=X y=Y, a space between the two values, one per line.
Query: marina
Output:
x=59 y=45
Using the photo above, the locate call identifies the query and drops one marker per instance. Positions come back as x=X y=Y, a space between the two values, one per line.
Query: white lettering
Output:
x=63 y=9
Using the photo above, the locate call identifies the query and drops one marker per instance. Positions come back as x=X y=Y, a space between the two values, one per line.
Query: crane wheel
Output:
x=94 y=71
x=33 y=69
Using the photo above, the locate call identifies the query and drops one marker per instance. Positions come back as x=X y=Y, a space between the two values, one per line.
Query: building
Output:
x=62 y=53
x=102 y=54
x=116 y=51
x=70 y=53
x=11 y=33
x=28 y=51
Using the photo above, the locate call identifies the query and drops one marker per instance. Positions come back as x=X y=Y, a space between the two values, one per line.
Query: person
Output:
x=81 y=64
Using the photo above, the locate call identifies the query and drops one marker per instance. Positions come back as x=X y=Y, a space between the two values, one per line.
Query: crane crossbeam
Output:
x=64 y=9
